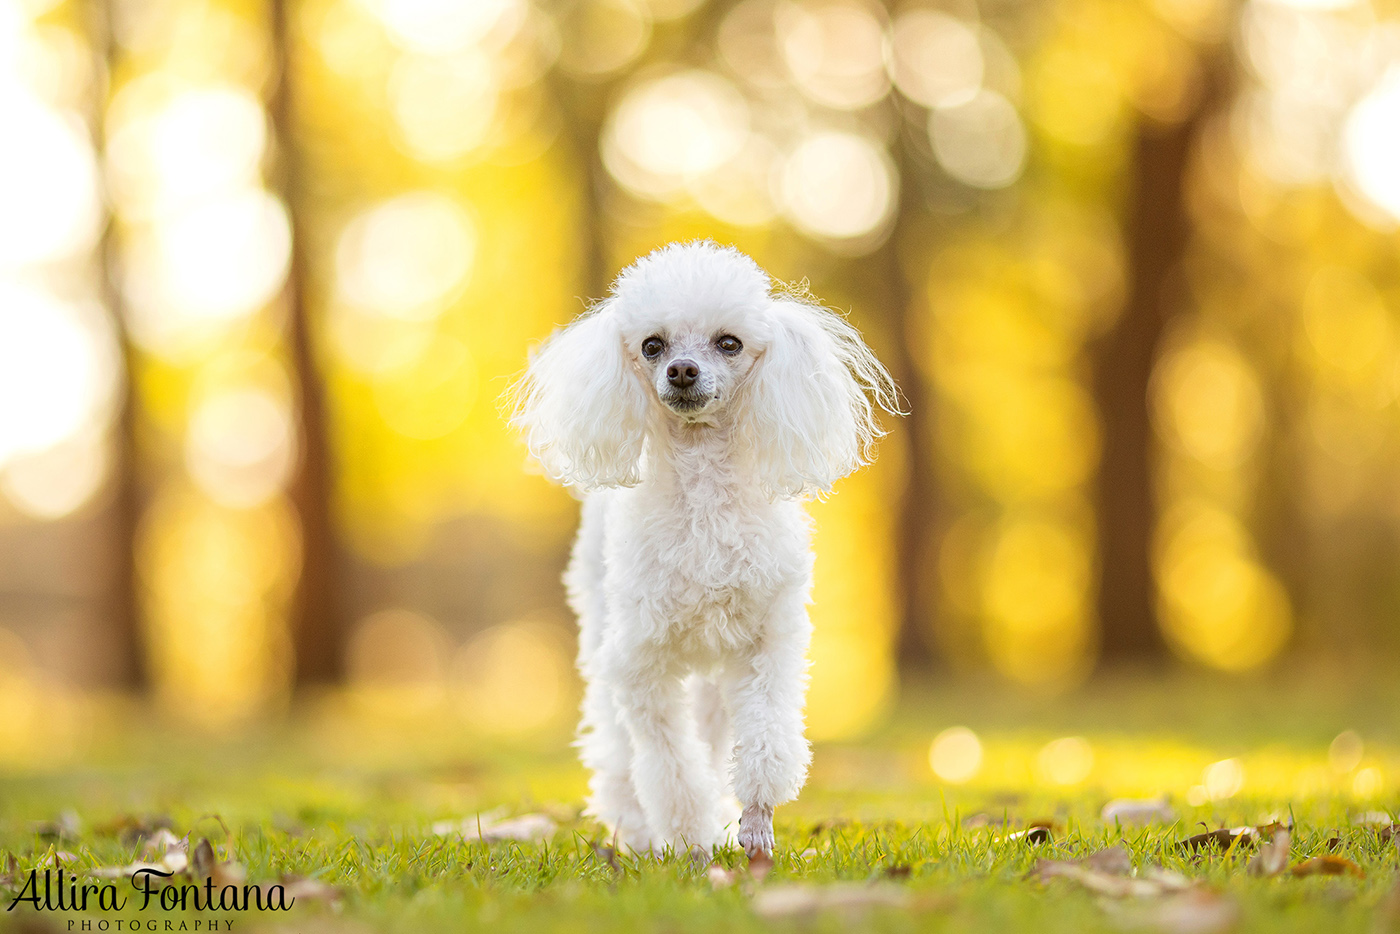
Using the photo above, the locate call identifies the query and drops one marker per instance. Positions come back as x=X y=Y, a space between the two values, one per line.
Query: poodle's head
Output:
x=694 y=334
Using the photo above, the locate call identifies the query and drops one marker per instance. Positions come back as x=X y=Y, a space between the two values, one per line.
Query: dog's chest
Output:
x=710 y=567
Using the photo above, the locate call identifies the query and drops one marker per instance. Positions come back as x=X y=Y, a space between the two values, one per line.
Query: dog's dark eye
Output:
x=652 y=347
x=729 y=344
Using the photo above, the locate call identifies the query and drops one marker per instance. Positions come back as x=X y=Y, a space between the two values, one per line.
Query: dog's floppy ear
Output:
x=809 y=418
x=581 y=406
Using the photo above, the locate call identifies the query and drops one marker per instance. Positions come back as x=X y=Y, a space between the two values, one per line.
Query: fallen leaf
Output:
x=1199 y=911
x=9 y=869
x=760 y=865
x=54 y=859
x=1328 y=865
x=1035 y=832
x=1137 y=811
x=784 y=901
x=204 y=864
x=162 y=841
x=129 y=870
x=1115 y=861
x=1388 y=911
x=607 y=854
x=1272 y=857
x=304 y=887
x=526 y=827
x=1108 y=873
x=720 y=878
x=202 y=861
x=132 y=829
x=1222 y=839
x=66 y=827
x=898 y=871
x=164 y=852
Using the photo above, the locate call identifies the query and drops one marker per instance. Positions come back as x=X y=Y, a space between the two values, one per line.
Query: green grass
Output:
x=351 y=802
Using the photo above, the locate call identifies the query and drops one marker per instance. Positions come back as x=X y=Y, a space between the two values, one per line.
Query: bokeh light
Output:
x=1065 y=761
x=956 y=755
x=835 y=51
x=839 y=186
x=979 y=141
x=670 y=130
x=406 y=257
x=1372 y=144
x=936 y=59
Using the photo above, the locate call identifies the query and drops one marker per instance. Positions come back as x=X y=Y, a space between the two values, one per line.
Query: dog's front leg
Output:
x=766 y=687
x=671 y=772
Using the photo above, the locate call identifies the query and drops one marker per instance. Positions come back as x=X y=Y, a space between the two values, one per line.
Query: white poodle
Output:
x=696 y=407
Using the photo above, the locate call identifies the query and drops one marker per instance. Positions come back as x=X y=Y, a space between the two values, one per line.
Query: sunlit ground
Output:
x=913 y=825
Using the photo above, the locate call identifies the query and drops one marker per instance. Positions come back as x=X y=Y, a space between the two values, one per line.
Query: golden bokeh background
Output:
x=267 y=267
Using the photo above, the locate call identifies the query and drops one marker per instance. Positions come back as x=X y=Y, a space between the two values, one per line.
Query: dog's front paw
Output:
x=756 y=830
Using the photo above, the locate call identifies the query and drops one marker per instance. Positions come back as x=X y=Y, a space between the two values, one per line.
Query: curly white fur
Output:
x=692 y=567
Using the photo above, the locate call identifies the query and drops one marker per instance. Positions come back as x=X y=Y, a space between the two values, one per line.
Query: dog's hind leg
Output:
x=671 y=768
x=606 y=750
x=712 y=719
x=603 y=745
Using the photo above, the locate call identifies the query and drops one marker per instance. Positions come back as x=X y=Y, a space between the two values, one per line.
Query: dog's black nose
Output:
x=682 y=373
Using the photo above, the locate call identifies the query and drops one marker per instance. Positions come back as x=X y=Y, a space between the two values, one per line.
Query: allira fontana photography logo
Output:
x=151 y=888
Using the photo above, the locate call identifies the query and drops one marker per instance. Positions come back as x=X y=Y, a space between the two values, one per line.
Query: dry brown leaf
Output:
x=1115 y=861
x=1388 y=911
x=1328 y=865
x=607 y=854
x=1377 y=819
x=1198 y=911
x=720 y=878
x=55 y=859
x=1137 y=811
x=525 y=828
x=9 y=869
x=1272 y=857
x=785 y=901
x=204 y=864
x=129 y=870
x=1108 y=873
x=897 y=871
x=1036 y=832
x=202 y=861
x=1222 y=839
x=760 y=865
x=66 y=826
x=162 y=841
x=302 y=887
x=132 y=829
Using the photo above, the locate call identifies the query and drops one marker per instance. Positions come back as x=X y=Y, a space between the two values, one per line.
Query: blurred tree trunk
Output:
x=128 y=666
x=918 y=502
x=317 y=630
x=1157 y=234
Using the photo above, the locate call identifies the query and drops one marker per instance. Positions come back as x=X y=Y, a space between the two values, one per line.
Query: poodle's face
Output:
x=695 y=333
x=693 y=367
